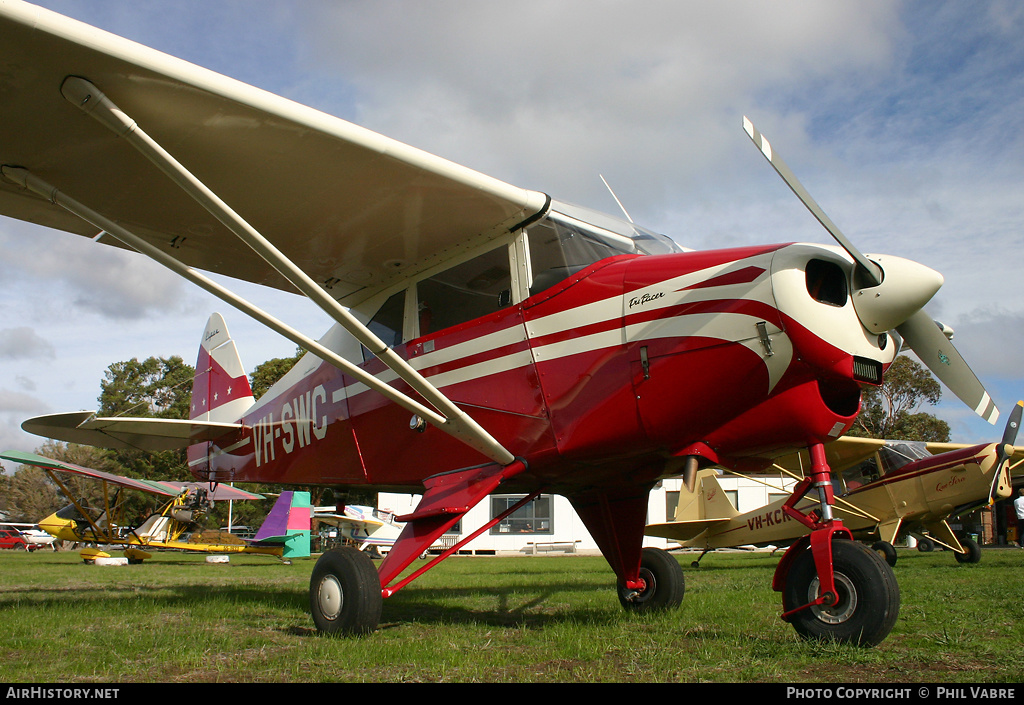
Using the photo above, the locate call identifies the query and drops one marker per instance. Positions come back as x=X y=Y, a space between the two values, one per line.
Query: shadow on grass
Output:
x=116 y=598
x=530 y=605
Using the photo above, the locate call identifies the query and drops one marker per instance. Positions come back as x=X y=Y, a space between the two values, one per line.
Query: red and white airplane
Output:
x=486 y=335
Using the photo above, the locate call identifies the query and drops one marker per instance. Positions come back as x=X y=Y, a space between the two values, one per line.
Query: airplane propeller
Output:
x=1005 y=449
x=890 y=294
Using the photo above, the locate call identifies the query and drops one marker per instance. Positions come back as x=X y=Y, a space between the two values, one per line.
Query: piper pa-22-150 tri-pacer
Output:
x=486 y=335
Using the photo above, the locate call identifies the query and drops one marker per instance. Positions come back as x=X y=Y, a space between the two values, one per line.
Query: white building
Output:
x=550 y=523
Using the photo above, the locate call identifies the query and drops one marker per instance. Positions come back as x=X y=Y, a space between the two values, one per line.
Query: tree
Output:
x=31 y=495
x=156 y=387
x=891 y=411
x=269 y=372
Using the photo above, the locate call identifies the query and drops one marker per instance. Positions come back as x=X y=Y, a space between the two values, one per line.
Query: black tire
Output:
x=973 y=553
x=886 y=550
x=925 y=546
x=344 y=593
x=665 y=584
x=869 y=597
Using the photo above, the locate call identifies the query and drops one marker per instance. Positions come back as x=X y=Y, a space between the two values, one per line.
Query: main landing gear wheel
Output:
x=972 y=554
x=868 y=601
x=344 y=593
x=886 y=550
x=664 y=584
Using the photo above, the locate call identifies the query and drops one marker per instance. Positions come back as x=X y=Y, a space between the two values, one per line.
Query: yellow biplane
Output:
x=169 y=526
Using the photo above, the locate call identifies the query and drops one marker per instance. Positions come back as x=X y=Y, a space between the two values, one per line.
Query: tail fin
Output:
x=708 y=502
x=220 y=391
x=289 y=523
x=697 y=511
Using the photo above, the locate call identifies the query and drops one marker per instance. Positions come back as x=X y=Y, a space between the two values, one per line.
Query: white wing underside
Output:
x=353 y=209
x=202 y=172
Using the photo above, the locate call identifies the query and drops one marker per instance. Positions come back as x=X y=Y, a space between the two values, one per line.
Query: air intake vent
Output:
x=865 y=370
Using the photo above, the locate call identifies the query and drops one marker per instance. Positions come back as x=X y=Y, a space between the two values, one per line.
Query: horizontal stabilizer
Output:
x=682 y=530
x=696 y=512
x=85 y=428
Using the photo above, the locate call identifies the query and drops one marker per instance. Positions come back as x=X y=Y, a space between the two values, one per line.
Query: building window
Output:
x=533 y=518
x=734 y=497
x=671 y=504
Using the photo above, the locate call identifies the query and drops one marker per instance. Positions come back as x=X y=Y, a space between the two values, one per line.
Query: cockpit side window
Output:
x=826 y=282
x=466 y=291
x=386 y=324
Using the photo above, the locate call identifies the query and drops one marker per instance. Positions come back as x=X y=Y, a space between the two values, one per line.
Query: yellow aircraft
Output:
x=888 y=488
x=284 y=534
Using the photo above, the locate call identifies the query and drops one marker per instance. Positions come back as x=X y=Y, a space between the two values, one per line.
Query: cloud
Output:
x=650 y=92
x=992 y=342
x=83 y=277
x=15 y=407
x=22 y=343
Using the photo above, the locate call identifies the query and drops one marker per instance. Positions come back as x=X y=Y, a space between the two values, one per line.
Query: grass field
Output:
x=491 y=619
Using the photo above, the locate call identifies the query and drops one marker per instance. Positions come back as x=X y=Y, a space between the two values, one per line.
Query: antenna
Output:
x=616 y=199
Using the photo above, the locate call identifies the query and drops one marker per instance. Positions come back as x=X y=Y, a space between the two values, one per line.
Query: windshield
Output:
x=570 y=238
x=892 y=456
x=620 y=235
x=896 y=454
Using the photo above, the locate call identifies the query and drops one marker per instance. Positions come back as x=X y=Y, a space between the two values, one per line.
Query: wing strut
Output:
x=450 y=418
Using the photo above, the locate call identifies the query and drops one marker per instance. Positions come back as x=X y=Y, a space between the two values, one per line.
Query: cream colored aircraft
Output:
x=888 y=489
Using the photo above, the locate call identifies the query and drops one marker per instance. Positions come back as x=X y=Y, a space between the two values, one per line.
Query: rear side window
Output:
x=826 y=282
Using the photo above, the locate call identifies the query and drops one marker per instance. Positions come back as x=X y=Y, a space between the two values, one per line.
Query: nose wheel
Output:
x=864 y=606
x=834 y=588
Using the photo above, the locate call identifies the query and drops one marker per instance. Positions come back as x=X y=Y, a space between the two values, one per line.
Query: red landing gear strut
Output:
x=833 y=588
x=823 y=528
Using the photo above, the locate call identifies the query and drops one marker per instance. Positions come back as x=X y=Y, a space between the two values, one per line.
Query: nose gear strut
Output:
x=824 y=527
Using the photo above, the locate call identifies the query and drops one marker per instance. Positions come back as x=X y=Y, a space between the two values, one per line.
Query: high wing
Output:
x=353 y=209
x=847 y=451
x=841 y=454
x=202 y=172
x=156 y=487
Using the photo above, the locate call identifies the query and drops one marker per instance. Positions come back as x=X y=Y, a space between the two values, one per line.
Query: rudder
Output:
x=708 y=502
x=289 y=524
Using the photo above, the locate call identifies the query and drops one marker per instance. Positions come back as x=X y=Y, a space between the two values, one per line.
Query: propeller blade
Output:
x=1005 y=448
x=870 y=270
x=924 y=337
x=897 y=302
x=1013 y=425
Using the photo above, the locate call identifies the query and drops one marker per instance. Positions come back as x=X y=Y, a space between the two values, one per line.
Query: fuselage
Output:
x=626 y=366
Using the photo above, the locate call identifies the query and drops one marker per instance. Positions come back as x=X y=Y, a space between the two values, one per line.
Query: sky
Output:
x=902 y=119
